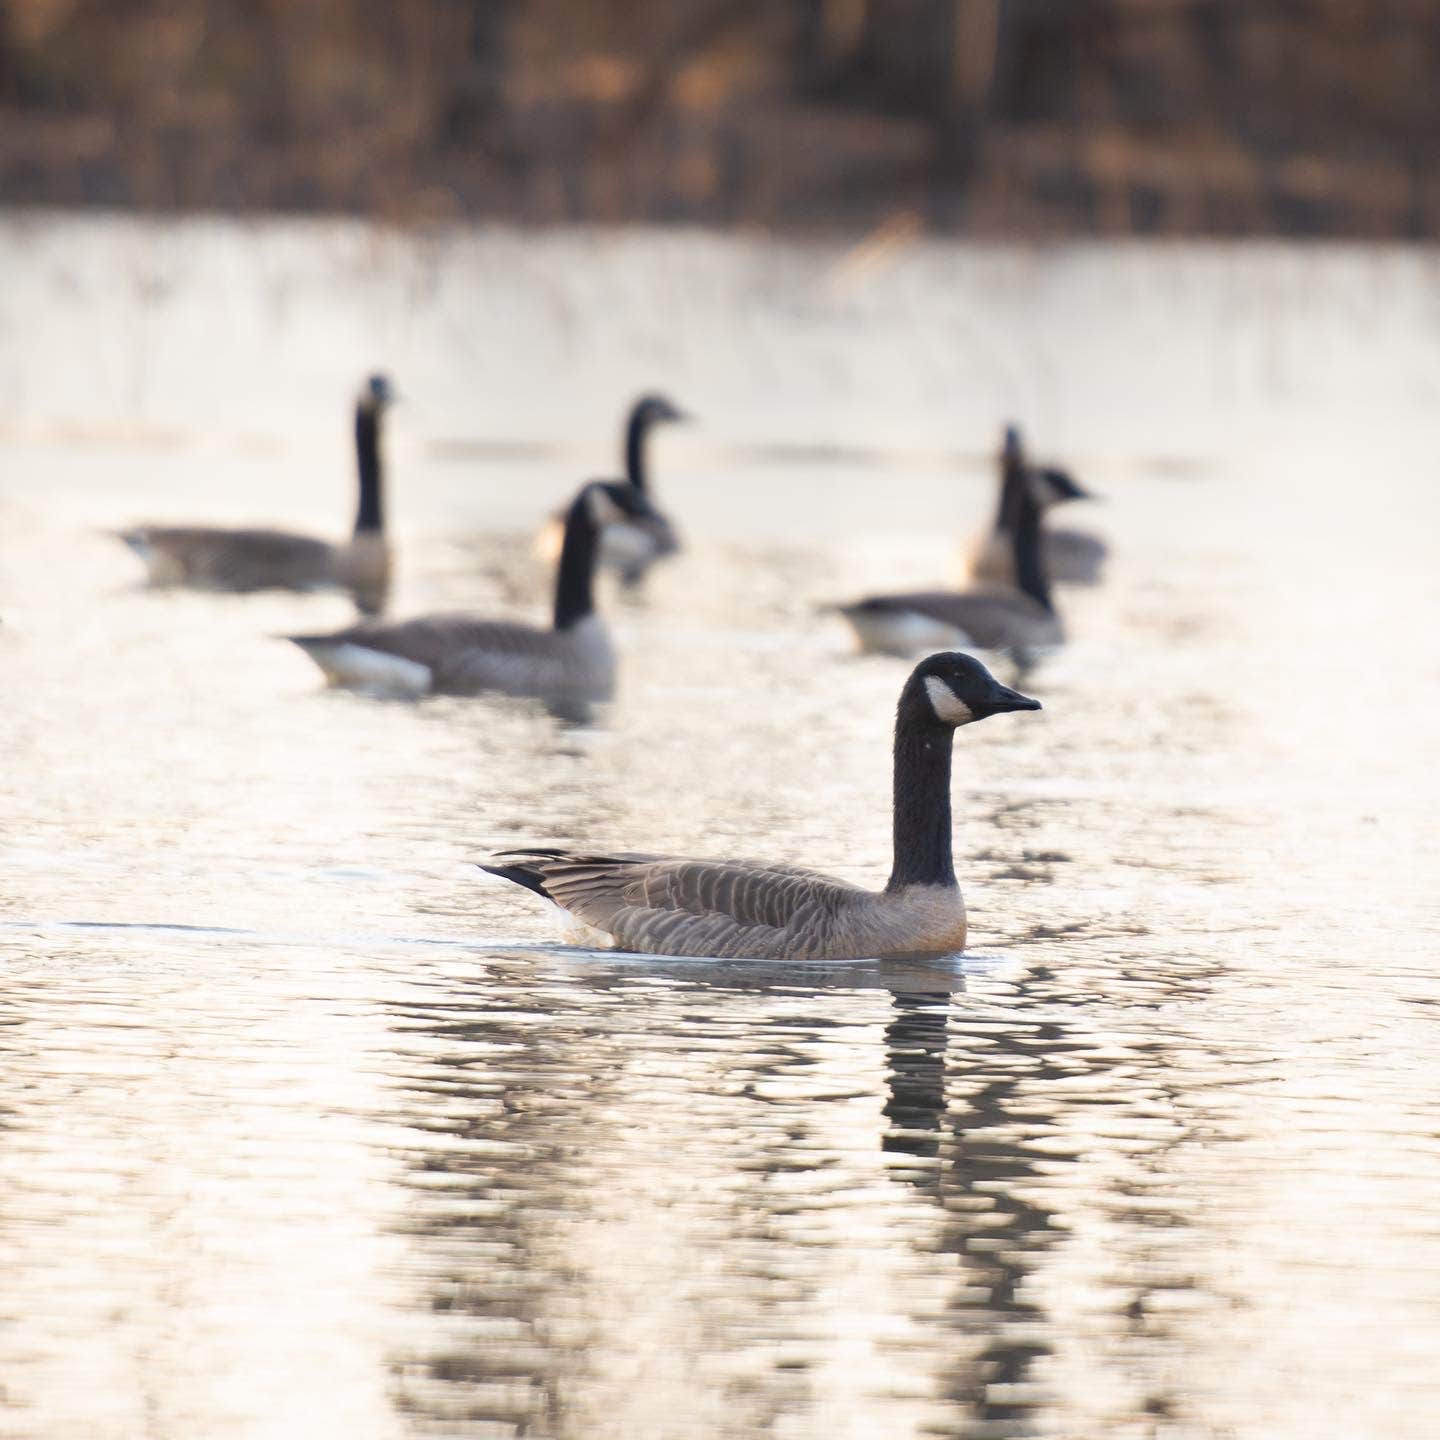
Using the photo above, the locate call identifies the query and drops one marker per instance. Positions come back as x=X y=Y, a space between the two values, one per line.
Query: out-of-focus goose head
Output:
x=647 y=412
x=1052 y=487
x=1047 y=486
x=1011 y=450
x=376 y=394
x=657 y=410
x=954 y=689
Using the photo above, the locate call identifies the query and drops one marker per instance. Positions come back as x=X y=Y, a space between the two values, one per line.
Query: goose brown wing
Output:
x=722 y=908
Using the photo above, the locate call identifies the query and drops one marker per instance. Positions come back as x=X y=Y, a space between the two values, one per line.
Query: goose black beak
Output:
x=1066 y=487
x=1004 y=700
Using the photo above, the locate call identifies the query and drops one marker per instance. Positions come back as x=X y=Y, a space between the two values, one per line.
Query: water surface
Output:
x=312 y=1130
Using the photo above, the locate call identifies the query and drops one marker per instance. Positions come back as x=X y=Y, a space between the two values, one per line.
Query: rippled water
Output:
x=311 y=1130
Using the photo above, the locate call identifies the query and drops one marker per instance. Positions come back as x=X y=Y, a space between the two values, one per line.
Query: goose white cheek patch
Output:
x=945 y=703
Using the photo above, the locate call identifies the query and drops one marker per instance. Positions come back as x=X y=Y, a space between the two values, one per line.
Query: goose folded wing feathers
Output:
x=234 y=559
x=264 y=557
x=441 y=640
x=694 y=907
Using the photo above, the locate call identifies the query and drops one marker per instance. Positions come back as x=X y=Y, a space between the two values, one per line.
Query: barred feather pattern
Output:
x=734 y=909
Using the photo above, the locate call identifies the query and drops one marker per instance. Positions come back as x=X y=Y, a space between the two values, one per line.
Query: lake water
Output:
x=311 y=1130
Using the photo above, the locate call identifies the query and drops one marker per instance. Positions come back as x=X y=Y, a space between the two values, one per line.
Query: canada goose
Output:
x=986 y=617
x=740 y=909
x=463 y=654
x=1073 y=556
x=210 y=558
x=630 y=546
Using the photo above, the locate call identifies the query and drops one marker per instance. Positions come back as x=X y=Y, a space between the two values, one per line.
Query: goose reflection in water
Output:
x=600 y=1228
x=978 y=1102
x=995 y=1236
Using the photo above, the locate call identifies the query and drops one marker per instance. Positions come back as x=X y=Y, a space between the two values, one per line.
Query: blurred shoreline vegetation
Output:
x=983 y=117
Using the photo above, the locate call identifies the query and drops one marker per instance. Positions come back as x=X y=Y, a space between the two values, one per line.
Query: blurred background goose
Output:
x=1016 y=618
x=244 y=560
x=631 y=546
x=466 y=654
x=1074 y=557
x=746 y=909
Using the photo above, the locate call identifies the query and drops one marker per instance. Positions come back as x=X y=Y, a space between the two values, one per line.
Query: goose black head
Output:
x=1011 y=449
x=657 y=410
x=377 y=392
x=957 y=690
x=613 y=502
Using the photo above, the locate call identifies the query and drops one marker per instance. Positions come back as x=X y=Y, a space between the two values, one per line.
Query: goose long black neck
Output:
x=369 y=518
x=1012 y=482
x=636 y=431
x=1030 y=574
x=575 y=581
x=922 y=795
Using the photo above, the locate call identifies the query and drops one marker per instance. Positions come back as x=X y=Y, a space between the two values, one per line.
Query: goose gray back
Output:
x=747 y=909
x=463 y=654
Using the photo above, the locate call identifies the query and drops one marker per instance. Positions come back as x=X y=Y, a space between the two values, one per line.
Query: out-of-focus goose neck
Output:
x=1030 y=574
x=575 y=580
x=1012 y=483
x=637 y=428
x=370 y=517
x=922 y=794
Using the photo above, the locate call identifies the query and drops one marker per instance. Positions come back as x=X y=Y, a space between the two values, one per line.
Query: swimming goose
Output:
x=210 y=558
x=742 y=909
x=986 y=617
x=631 y=547
x=463 y=654
x=1072 y=556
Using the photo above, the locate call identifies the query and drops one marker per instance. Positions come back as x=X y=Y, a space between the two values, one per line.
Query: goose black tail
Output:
x=524 y=875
